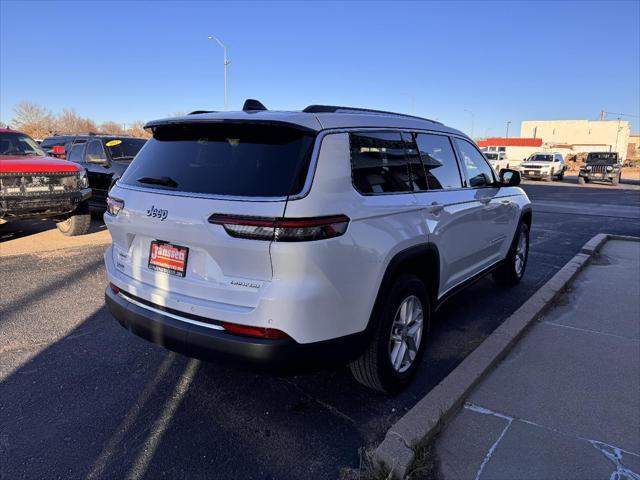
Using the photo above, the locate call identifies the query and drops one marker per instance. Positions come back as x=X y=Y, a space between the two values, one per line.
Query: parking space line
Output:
x=590 y=331
x=98 y=466
x=160 y=426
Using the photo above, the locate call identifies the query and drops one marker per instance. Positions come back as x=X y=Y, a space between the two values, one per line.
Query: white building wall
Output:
x=583 y=134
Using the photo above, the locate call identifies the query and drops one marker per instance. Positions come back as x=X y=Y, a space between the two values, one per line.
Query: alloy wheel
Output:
x=406 y=334
x=521 y=254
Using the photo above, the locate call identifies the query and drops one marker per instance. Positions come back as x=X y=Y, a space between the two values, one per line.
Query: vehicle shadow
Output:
x=24 y=228
x=101 y=402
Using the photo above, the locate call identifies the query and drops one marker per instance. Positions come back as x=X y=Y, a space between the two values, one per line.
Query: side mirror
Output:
x=509 y=178
x=96 y=159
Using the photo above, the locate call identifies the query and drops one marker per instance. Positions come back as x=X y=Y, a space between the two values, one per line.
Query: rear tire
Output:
x=78 y=223
x=512 y=270
x=377 y=367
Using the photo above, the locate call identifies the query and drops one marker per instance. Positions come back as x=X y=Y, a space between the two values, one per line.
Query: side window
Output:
x=76 y=153
x=94 y=151
x=439 y=161
x=479 y=172
x=378 y=163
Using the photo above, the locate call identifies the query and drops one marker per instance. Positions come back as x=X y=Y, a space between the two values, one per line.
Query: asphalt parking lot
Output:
x=82 y=397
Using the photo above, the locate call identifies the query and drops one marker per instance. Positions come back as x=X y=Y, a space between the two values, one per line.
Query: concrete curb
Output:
x=422 y=422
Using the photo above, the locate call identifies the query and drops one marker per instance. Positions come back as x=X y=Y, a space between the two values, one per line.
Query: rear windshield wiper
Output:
x=126 y=157
x=164 y=181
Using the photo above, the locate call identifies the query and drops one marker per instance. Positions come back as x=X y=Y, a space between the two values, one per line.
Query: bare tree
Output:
x=33 y=119
x=137 y=130
x=112 y=128
x=70 y=122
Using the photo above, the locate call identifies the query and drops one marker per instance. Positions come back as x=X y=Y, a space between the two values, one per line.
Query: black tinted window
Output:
x=479 y=172
x=252 y=160
x=124 y=148
x=439 y=161
x=76 y=153
x=378 y=163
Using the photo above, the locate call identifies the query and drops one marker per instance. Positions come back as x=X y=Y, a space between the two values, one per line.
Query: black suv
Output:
x=104 y=157
x=603 y=166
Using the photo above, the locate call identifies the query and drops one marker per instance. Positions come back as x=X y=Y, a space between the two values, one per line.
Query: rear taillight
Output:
x=282 y=229
x=259 y=332
x=114 y=288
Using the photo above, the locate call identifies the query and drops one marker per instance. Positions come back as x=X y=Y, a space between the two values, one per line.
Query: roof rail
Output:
x=337 y=109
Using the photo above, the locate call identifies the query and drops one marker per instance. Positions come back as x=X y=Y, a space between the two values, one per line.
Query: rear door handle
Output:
x=435 y=208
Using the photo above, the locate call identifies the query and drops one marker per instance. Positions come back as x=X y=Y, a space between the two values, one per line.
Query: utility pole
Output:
x=226 y=63
x=508 y=123
x=472 y=121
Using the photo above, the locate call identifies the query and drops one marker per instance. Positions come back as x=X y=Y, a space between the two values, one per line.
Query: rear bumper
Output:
x=42 y=206
x=279 y=356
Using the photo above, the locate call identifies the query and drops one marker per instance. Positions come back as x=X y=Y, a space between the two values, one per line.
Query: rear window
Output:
x=53 y=141
x=124 y=148
x=248 y=160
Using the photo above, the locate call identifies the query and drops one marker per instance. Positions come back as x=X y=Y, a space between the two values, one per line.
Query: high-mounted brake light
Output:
x=282 y=229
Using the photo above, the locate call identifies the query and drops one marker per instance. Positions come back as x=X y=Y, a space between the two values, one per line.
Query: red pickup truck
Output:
x=33 y=185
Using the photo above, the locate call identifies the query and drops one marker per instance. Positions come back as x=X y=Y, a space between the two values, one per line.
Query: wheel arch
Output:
x=421 y=260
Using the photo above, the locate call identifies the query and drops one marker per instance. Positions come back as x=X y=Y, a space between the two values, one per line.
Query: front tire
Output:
x=397 y=345
x=580 y=180
x=512 y=270
x=616 y=180
x=78 y=222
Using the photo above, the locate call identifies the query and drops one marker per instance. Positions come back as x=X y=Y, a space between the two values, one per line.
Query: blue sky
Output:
x=503 y=61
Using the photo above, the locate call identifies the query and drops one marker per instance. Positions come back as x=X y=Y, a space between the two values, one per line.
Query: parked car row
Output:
x=35 y=184
x=598 y=166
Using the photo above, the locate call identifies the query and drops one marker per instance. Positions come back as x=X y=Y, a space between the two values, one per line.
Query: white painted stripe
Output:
x=160 y=426
x=97 y=469
x=587 y=330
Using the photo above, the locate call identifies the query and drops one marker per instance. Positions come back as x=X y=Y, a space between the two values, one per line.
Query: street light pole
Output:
x=226 y=62
x=508 y=123
x=472 y=121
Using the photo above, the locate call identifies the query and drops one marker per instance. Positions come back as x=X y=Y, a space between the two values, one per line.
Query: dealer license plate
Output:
x=168 y=258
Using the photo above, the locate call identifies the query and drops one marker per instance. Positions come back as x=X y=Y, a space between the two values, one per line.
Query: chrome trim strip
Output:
x=171 y=315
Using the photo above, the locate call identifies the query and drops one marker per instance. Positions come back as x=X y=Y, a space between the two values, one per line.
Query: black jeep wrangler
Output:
x=603 y=166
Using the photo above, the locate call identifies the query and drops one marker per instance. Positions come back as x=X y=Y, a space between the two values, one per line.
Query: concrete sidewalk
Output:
x=565 y=403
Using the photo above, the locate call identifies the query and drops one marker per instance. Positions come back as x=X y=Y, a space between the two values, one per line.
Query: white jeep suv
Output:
x=304 y=239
